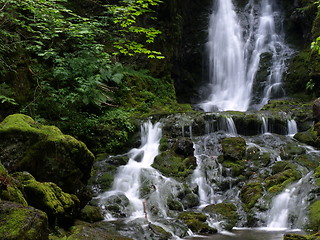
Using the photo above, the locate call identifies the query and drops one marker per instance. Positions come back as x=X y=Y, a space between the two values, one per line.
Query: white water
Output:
x=292 y=127
x=291 y=202
x=127 y=180
x=234 y=58
x=264 y=127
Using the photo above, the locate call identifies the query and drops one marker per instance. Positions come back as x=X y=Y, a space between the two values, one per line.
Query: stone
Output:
x=49 y=155
x=233 y=148
x=316 y=110
x=62 y=208
x=91 y=214
x=226 y=213
x=22 y=223
x=196 y=222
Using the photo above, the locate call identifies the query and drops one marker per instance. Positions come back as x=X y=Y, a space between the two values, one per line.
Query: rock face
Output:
x=22 y=223
x=316 y=110
x=46 y=153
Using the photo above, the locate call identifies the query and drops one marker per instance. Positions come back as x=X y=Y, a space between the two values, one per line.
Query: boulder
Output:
x=22 y=223
x=226 y=213
x=49 y=155
x=9 y=188
x=91 y=214
x=316 y=110
x=251 y=192
x=196 y=222
x=233 y=148
x=314 y=216
x=62 y=208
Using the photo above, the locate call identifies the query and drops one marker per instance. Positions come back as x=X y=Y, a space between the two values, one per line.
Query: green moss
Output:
x=307 y=161
x=314 y=216
x=279 y=181
x=196 y=222
x=236 y=169
x=160 y=232
x=91 y=214
x=227 y=214
x=18 y=222
x=251 y=192
x=293 y=236
x=49 y=198
x=233 y=148
x=173 y=165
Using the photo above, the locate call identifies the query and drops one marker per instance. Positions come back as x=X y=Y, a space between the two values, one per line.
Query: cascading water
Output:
x=292 y=127
x=290 y=203
x=128 y=179
x=235 y=59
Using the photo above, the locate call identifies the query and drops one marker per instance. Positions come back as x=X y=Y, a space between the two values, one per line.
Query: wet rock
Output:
x=46 y=153
x=290 y=150
x=184 y=147
x=20 y=222
x=226 y=213
x=316 y=110
x=251 y=192
x=177 y=162
x=196 y=222
x=279 y=181
x=62 y=208
x=116 y=204
x=314 y=216
x=91 y=214
x=9 y=188
x=233 y=148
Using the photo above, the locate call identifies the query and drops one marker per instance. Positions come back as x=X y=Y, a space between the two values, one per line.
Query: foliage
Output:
x=126 y=16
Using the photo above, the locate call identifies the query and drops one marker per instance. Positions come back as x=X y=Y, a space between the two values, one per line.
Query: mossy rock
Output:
x=233 y=148
x=91 y=214
x=314 y=216
x=290 y=150
x=96 y=231
x=308 y=137
x=307 y=161
x=61 y=207
x=236 y=168
x=279 y=181
x=251 y=192
x=46 y=153
x=159 y=232
x=9 y=188
x=173 y=165
x=294 y=236
x=281 y=166
x=196 y=222
x=223 y=212
x=22 y=223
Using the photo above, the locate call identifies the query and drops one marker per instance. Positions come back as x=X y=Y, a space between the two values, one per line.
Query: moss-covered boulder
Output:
x=226 y=213
x=290 y=150
x=86 y=231
x=233 y=148
x=178 y=161
x=9 y=188
x=314 y=216
x=61 y=207
x=309 y=137
x=196 y=222
x=49 y=155
x=22 y=223
x=91 y=214
x=294 y=236
x=251 y=192
x=279 y=181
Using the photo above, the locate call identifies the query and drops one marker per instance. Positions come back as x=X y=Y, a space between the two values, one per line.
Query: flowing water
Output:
x=236 y=50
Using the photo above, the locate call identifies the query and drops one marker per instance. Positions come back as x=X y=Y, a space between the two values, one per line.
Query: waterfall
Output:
x=127 y=180
x=291 y=203
x=264 y=127
x=226 y=61
x=235 y=58
x=292 y=127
